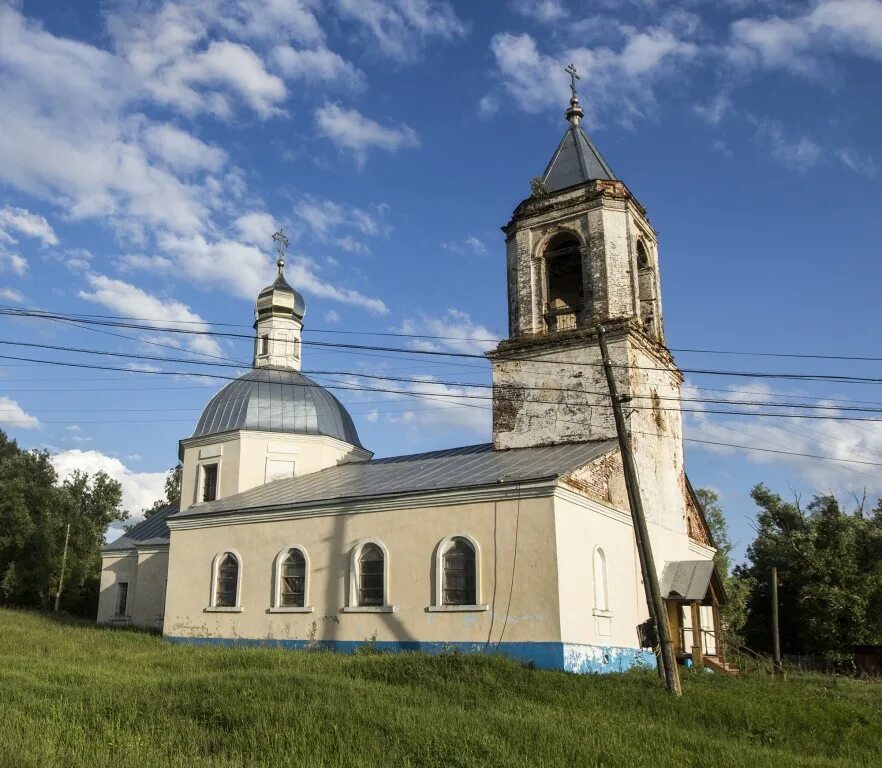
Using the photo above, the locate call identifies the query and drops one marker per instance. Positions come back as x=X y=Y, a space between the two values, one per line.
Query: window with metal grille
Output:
x=459 y=574
x=292 y=587
x=371 y=576
x=209 y=482
x=227 y=581
x=122 y=598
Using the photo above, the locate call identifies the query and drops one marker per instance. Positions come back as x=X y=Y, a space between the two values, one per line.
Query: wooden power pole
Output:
x=63 y=561
x=657 y=610
x=776 y=637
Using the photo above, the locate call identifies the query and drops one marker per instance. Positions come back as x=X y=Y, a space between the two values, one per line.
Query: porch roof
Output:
x=690 y=580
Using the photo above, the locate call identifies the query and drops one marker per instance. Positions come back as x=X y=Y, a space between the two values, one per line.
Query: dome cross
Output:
x=281 y=241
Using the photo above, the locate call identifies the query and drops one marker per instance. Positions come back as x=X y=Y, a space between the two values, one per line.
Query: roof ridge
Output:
x=463 y=450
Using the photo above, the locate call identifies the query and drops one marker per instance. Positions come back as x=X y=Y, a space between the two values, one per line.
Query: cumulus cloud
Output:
x=317 y=65
x=21 y=221
x=10 y=294
x=130 y=300
x=352 y=132
x=623 y=77
x=400 y=27
x=12 y=262
x=544 y=11
x=182 y=151
x=13 y=415
x=140 y=489
x=470 y=245
x=799 y=42
x=327 y=221
x=455 y=331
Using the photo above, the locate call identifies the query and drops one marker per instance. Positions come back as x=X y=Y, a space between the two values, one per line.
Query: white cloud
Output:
x=140 y=489
x=353 y=132
x=327 y=221
x=797 y=43
x=470 y=244
x=544 y=11
x=10 y=294
x=399 y=27
x=857 y=162
x=24 y=222
x=13 y=415
x=318 y=65
x=13 y=262
x=622 y=78
x=302 y=273
x=181 y=151
x=256 y=228
x=131 y=301
x=716 y=109
x=799 y=154
x=332 y=317
x=456 y=329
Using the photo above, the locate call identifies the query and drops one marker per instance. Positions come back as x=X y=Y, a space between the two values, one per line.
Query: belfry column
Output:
x=278 y=319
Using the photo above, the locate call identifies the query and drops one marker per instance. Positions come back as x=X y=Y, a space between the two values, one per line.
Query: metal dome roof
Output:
x=277 y=400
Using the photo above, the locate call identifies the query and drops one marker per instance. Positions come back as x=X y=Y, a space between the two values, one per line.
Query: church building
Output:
x=290 y=533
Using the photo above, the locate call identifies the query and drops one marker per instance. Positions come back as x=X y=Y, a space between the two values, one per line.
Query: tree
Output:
x=34 y=512
x=172 y=490
x=830 y=578
x=733 y=612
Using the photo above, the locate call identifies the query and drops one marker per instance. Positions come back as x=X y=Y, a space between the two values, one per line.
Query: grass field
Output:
x=75 y=695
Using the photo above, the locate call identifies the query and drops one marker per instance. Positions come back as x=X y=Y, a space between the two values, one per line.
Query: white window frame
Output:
x=438 y=596
x=277 y=606
x=200 y=479
x=603 y=609
x=212 y=598
x=352 y=605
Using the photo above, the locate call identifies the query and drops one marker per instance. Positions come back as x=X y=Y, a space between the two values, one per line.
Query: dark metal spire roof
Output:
x=277 y=400
x=575 y=161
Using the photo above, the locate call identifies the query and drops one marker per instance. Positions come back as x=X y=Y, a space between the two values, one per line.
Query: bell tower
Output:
x=581 y=253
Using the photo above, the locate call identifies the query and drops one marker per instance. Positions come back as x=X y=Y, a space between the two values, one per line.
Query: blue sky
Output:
x=149 y=150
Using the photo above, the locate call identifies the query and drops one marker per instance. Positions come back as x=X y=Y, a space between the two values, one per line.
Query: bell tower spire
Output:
x=278 y=318
x=580 y=253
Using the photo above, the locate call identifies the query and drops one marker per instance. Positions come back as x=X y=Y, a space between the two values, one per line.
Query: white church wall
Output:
x=149 y=596
x=581 y=527
x=115 y=569
x=527 y=614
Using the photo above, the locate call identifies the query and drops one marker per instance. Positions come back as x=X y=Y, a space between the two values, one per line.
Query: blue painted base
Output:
x=566 y=657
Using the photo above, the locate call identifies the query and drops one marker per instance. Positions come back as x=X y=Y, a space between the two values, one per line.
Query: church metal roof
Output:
x=575 y=161
x=467 y=467
x=686 y=579
x=277 y=400
x=152 y=531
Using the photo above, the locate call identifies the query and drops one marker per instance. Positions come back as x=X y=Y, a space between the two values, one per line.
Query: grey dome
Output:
x=277 y=400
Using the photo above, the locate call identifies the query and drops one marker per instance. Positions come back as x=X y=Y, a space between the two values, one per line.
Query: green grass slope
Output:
x=74 y=695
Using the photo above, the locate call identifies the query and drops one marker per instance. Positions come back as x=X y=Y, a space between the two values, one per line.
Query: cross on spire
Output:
x=574 y=75
x=281 y=241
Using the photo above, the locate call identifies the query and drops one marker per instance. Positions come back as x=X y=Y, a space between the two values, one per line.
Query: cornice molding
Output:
x=507 y=492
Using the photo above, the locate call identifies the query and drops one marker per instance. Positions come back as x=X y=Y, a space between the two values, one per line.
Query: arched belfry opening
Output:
x=646 y=289
x=565 y=301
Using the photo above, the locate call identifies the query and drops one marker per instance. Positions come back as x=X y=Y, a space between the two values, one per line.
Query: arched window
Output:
x=601 y=594
x=227 y=575
x=645 y=288
x=370 y=579
x=292 y=580
x=458 y=580
x=565 y=287
x=458 y=575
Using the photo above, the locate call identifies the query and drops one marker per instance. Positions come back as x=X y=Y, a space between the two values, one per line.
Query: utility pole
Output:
x=63 y=561
x=641 y=532
x=776 y=638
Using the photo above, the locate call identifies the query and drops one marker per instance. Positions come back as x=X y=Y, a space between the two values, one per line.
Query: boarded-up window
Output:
x=227 y=584
x=371 y=576
x=122 y=598
x=459 y=585
x=292 y=587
